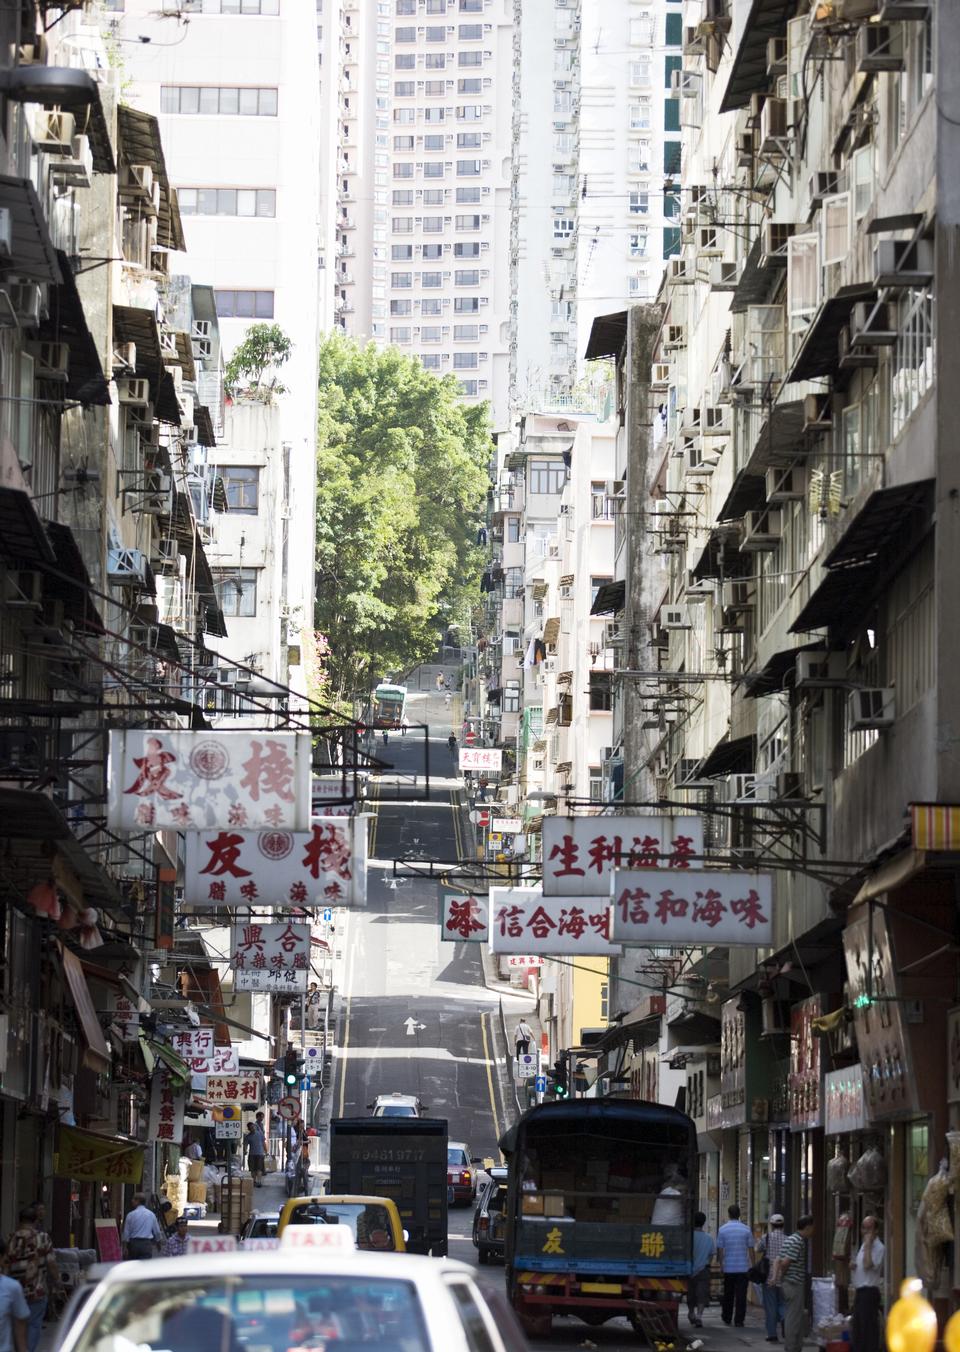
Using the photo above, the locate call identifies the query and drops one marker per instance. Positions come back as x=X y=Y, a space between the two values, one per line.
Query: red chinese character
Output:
x=154 y=766
x=709 y=908
x=300 y=962
x=572 y=922
x=250 y=891
x=224 y=853
x=218 y=892
x=603 y=852
x=230 y=1089
x=644 y=853
x=600 y=923
x=747 y=909
x=248 y=1090
x=682 y=852
x=327 y=850
x=632 y=908
x=259 y=961
x=289 y=939
x=277 y=961
x=165 y=1131
x=298 y=892
x=167 y=1112
x=145 y=815
x=237 y=816
x=568 y=852
x=252 y=937
x=540 y=923
x=271 y=771
x=463 y=917
x=274 y=816
x=669 y=907
x=333 y=891
x=508 y=918
x=181 y=815
x=239 y=961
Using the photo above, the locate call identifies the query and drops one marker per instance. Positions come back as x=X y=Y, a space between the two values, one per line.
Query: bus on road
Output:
x=389 y=702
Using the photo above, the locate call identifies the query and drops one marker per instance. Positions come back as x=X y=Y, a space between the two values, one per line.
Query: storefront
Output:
x=805 y=1090
x=747 y=1079
x=846 y=1140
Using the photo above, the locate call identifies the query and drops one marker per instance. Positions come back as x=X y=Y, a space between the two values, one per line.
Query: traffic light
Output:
x=560 y=1087
x=292 y=1068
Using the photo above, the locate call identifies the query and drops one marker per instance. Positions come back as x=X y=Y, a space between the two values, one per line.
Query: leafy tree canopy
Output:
x=252 y=370
x=401 y=478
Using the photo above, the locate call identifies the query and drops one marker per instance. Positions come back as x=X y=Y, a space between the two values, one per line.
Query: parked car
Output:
x=78 y=1297
x=294 y=1298
x=488 y=1217
x=373 y=1221
x=397 y=1105
x=260 y=1225
x=461 y=1173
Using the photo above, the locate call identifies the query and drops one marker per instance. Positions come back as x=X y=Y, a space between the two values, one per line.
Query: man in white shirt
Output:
x=141 y=1229
x=867 y=1278
x=523 y=1037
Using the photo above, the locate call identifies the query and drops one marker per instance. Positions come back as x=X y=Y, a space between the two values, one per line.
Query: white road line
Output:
x=417 y=1053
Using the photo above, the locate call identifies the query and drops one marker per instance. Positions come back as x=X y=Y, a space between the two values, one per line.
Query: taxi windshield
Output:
x=256 y=1313
x=368 y=1221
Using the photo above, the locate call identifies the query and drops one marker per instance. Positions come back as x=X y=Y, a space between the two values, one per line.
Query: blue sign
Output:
x=540 y=1084
x=328 y=914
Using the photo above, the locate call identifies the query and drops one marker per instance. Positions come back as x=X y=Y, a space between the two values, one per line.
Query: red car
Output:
x=461 y=1174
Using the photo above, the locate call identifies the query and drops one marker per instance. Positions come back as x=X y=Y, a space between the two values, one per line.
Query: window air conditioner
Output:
x=872 y=325
x=680 y=270
x=660 y=374
x=871 y=708
x=741 y=788
x=549 y=666
x=776 y=56
x=135 y=393
x=716 y=420
x=690 y=423
x=675 y=617
x=612 y=636
x=774 y=237
x=761 y=531
x=823 y=183
x=738 y=595
x=817 y=413
x=6 y=232
x=878 y=49
x=773 y=126
x=27 y=301
x=903 y=263
x=125 y=357
x=142 y=635
x=786 y=485
x=20 y=589
x=675 y=336
x=52 y=360
x=126 y=566
x=724 y=275
x=818 y=670
x=136 y=183
x=53 y=132
x=789 y=785
x=708 y=242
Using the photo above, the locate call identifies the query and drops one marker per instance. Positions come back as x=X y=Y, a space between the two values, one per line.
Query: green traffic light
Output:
x=291 y=1079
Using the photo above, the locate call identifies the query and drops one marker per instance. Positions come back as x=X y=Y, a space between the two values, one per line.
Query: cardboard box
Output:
x=532 y=1206
x=553 y=1204
x=196 y=1192
x=194 y=1171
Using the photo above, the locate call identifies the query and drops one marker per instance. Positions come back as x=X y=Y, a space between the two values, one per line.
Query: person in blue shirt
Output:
x=698 y=1286
x=737 y=1256
x=14 y=1316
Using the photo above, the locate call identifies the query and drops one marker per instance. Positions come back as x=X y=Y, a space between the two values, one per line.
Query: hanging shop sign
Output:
x=202 y=1055
x=126 y=1015
x=481 y=758
x=464 y=919
x=748 y=1065
x=805 y=1089
x=889 y=1084
x=193 y=781
x=523 y=920
x=235 y=1089
x=506 y=826
x=325 y=866
x=88 y=1158
x=580 y=853
x=270 y=957
x=324 y=791
x=953 y=1056
x=524 y=960
x=843 y=1105
x=693 y=908
x=936 y=826
x=167 y=1105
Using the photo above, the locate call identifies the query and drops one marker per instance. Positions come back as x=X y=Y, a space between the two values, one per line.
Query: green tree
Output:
x=264 y=349
x=401 y=479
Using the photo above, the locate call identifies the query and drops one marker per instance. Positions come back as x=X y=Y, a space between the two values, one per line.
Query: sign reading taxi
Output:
x=326 y=1238
x=211 y=1244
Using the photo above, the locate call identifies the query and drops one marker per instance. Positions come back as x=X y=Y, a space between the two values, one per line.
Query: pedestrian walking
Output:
x=29 y=1260
x=255 y=1150
x=141 y=1230
x=452 y=743
x=482 y=785
x=737 y=1257
x=698 y=1283
x=867 y=1288
x=403 y=726
x=792 y=1270
x=176 y=1245
x=313 y=1005
x=770 y=1248
x=447 y=698
x=523 y=1037
x=14 y=1316
x=303 y=1168
x=386 y=738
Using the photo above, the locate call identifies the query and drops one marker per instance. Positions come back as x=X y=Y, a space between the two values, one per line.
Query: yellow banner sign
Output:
x=935 y=826
x=87 y=1158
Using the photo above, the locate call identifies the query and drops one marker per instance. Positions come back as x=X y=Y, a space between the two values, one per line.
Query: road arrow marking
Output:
x=412 y=1026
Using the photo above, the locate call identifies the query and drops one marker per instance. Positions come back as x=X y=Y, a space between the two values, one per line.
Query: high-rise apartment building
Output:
x=424 y=183
x=236 y=89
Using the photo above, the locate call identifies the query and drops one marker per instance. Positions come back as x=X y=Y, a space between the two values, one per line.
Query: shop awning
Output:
x=77 y=596
x=32 y=254
x=33 y=820
x=87 y=1157
x=730 y=758
x=747 y=493
x=23 y=541
x=608 y=333
x=166 y=404
x=756 y=280
x=610 y=598
x=817 y=355
x=140 y=139
x=551 y=630
x=153 y=1051
x=97 y=1054
x=748 y=75
x=204 y=425
x=67 y=323
x=132 y=324
x=891 y=875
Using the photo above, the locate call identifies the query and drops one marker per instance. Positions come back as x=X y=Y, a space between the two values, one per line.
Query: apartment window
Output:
x=513 y=530
x=405 y=7
x=430 y=334
x=596 y=796
x=469 y=58
x=470 y=32
x=244 y=304
x=430 y=361
x=403 y=169
x=547 y=476
x=432 y=225
x=601 y=692
x=400 y=335
x=638 y=157
x=467 y=277
x=401 y=279
x=435 y=88
x=640 y=115
x=467 y=222
x=236 y=590
x=433 y=197
x=465 y=361
x=405 y=61
x=225 y=100
x=512 y=581
x=436 y=33
x=431 y=250
x=511 y=697
x=562 y=185
x=401 y=252
x=405 y=89
x=470 y=86
x=639 y=203
x=639 y=72
x=434 y=114
x=467 y=249
x=222 y=6
x=468 y=168
x=469 y=112
x=468 y=140
x=912 y=367
x=433 y=169
x=436 y=6
x=638 y=244
x=227 y=201
x=405 y=35
x=433 y=142
x=400 y=308
x=431 y=280
x=563 y=227
x=471 y=6
x=470 y=388
x=241 y=484
x=641 y=31
x=466 y=333
x=403 y=143
x=466 y=305
x=402 y=225
x=402 y=197
x=436 y=60
x=405 y=115
x=465 y=195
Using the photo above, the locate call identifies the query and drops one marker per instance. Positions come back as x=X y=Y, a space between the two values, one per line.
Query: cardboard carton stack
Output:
x=236 y=1203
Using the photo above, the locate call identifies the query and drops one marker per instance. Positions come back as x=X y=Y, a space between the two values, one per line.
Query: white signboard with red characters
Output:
x=192 y=781
x=167 y=1106
x=693 y=908
x=523 y=920
x=270 y=957
x=202 y=1055
x=481 y=758
x=247 y=1087
x=464 y=919
x=325 y=866
x=580 y=853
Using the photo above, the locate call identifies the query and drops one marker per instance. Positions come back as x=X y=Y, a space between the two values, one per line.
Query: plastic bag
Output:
x=869 y=1174
x=837 y=1169
x=934 y=1213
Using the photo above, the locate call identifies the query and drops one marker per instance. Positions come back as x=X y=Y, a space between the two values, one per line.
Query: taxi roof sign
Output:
x=329 y=1238
x=211 y=1243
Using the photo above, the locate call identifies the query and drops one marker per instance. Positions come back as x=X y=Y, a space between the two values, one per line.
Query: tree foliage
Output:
x=264 y=349
x=401 y=477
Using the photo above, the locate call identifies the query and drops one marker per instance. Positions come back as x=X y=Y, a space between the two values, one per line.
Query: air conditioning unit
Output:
x=817 y=413
x=686 y=83
x=549 y=666
x=134 y=393
x=745 y=150
x=789 y=786
x=675 y=336
x=660 y=375
x=878 y=49
x=52 y=360
x=904 y=11
x=690 y=422
x=127 y=566
x=76 y=167
x=850 y=358
x=871 y=708
x=694 y=43
x=776 y=56
x=675 y=617
x=168 y=551
x=142 y=635
x=53 y=132
x=737 y=595
x=612 y=636
x=786 y=485
x=698 y=588
x=680 y=271
x=125 y=357
x=724 y=275
x=741 y=788
x=823 y=183
x=715 y=421
x=761 y=531
x=774 y=1017
x=774 y=126
x=872 y=325
x=20 y=589
x=708 y=241
x=685 y=773
x=697 y=461
x=818 y=670
x=773 y=246
x=903 y=263
x=136 y=183
x=27 y=301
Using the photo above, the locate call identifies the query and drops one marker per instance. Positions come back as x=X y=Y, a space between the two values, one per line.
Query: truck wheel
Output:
x=483 y=1254
x=535 y=1326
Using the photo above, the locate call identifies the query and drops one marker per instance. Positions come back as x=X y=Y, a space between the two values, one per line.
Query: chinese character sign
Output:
x=464 y=919
x=480 y=758
x=166 y=1108
x=247 y=1087
x=193 y=781
x=202 y=1055
x=126 y=1016
x=271 y=957
x=580 y=853
x=692 y=908
x=522 y=920
x=843 y=1107
x=325 y=866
